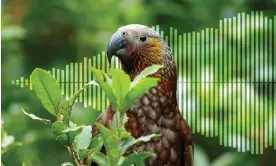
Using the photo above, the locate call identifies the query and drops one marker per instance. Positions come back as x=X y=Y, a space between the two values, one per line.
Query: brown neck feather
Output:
x=167 y=74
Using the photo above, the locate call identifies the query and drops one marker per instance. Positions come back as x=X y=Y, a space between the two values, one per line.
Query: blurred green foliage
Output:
x=52 y=33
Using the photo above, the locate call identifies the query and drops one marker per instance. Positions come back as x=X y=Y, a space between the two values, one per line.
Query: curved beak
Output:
x=115 y=45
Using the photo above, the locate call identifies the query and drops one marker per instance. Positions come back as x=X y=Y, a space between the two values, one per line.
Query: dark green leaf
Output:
x=58 y=127
x=63 y=138
x=135 y=92
x=72 y=135
x=96 y=143
x=47 y=89
x=83 y=153
x=136 y=158
x=126 y=143
x=69 y=134
x=46 y=121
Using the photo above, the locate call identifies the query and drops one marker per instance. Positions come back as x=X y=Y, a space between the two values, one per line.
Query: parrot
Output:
x=156 y=111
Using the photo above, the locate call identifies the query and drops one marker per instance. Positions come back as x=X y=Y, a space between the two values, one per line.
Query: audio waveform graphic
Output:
x=226 y=80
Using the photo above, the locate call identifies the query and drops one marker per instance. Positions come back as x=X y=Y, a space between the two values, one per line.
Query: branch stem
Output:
x=74 y=156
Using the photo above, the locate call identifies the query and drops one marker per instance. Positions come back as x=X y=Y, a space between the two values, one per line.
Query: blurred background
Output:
x=53 y=33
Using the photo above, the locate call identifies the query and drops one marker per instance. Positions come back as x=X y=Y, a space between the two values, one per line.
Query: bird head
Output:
x=137 y=47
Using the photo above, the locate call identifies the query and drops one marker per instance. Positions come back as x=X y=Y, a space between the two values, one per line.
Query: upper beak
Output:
x=116 y=42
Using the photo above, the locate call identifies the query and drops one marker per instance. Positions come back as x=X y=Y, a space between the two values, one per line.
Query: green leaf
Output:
x=64 y=139
x=99 y=158
x=114 y=125
x=136 y=158
x=102 y=80
x=200 y=157
x=72 y=135
x=69 y=134
x=46 y=121
x=58 y=127
x=96 y=143
x=125 y=119
x=107 y=79
x=147 y=138
x=120 y=84
x=99 y=75
x=83 y=153
x=126 y=143
x=67 y=164
x=47 y=89
x=135 y=92
x=146 y=72
x=125 y=134
x=69 y=129
x=111 y=144
x=83 y=139
x=66 y=107
x=93 y=82
x=130 y=141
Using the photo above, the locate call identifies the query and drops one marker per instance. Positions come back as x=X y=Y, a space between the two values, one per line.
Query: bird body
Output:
x=156 y=111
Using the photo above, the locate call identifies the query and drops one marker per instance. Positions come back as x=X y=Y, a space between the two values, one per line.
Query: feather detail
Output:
x=156 y=111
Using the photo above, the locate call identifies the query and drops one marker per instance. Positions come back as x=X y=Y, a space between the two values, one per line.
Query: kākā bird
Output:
x=156 y=111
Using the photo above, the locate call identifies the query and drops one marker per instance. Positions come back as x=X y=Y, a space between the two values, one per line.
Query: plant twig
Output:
x=58 y=112
x=73 y=154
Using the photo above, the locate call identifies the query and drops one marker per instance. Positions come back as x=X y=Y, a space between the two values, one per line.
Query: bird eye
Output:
x=143 y=38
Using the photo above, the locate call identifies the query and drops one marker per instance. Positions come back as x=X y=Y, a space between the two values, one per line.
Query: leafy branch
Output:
x=84 y=148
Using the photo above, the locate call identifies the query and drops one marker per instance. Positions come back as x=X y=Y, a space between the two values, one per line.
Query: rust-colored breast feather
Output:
x=157 y=112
